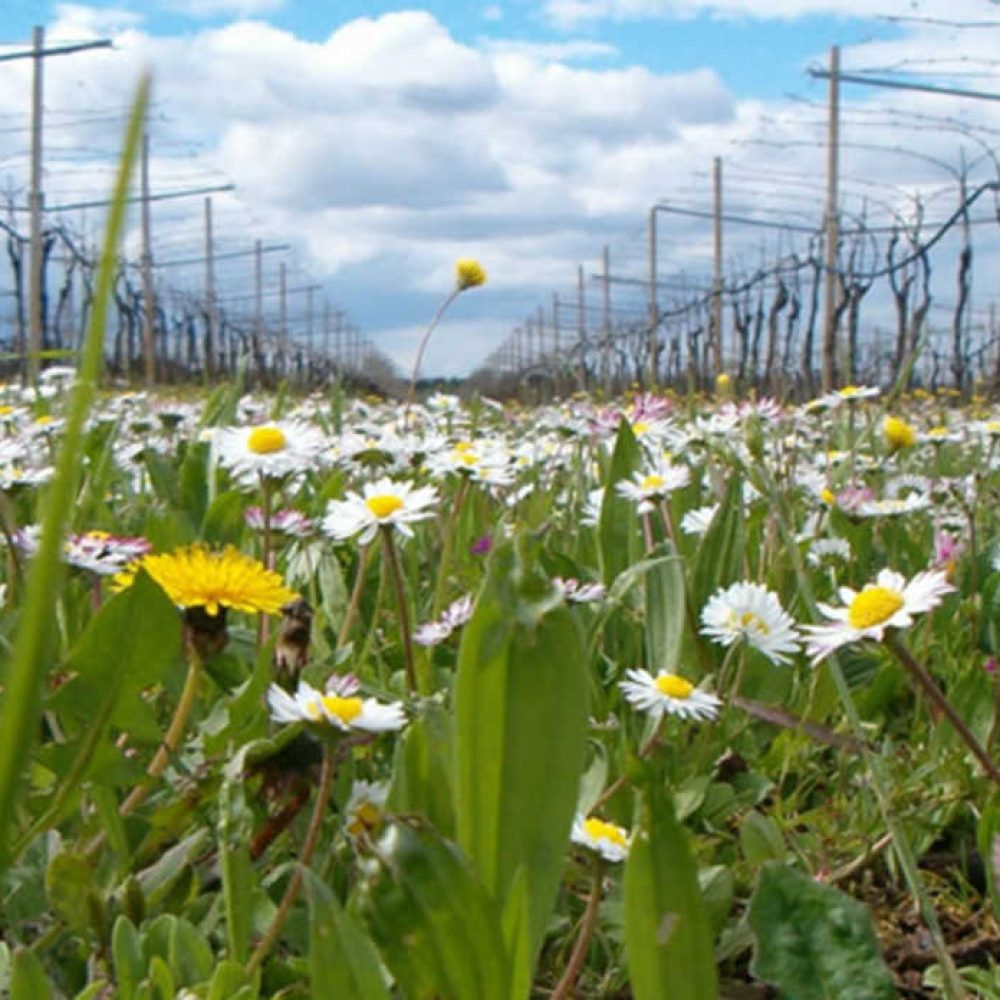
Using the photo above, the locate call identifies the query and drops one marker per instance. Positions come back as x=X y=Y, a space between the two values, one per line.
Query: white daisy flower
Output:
x=608 y=839
x=455 y=615
x=699 y=520
x=750 y=612
x=825 y=550
x=890 y=602
x=939 y=435
x=274 y=450
x=849 y=394
x=645 y=487
x=335 y=708
x=383 y=503
x=591 y=513
x=893 y=506
x=364 y=810
x=670 y=694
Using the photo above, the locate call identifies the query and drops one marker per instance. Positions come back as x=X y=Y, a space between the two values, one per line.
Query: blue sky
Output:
x=383 y=140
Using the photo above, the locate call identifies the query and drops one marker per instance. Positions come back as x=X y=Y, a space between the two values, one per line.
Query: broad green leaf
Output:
x=229 y=982
x=665 y=607
x=618 y=530
x=189 y=954
x=720 y=555
x=27 y=978
x=521 y=727
x=989 y=850
x=435 y=925
x=668 y=938
x=69 y=879
x=343 y=961
x=813 y=941
x=235 y=830
x=126 y=952
x=761 y=839
x=423 y=770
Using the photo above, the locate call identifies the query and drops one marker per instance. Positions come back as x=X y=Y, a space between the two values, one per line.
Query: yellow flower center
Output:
x=674 y=687
x=828 y=496
x=384 y=504
x=6 y=411
x=45 y=419
x=850 y=391
x=464 y=457
x=266 y=440
x=598 y=829
x=873 y=606
x=748 y=620
x=640 y=427
x=938 y=432
x=346 y=709
x=993 y=427
x=463 y=446
x=653 y=482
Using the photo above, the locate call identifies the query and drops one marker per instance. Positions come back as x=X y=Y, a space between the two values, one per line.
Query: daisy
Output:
x=272 y=450
x=889 y=602
x=579 y=593
x=381 y=504
x=339 y=708
x=670 y=694
x=283 y=522
x=455 y=616
x=850 y=394
x=699 y=520
x=892 y=506
x=644 y=488
x=828 y=550
x=751 y=613
x=364 y=811
x=609 y=840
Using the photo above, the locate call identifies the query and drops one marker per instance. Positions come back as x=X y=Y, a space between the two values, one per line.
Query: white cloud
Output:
x=220 y=8
x=390 y=149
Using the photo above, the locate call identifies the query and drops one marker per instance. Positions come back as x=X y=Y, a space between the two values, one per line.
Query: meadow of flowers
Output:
x=340 y=697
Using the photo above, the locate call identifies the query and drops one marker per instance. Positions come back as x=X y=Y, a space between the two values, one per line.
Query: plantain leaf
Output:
x=343 y=961
x=27 y=978
x=720 y=555
x=668 y=938
x=435 y=925
x=664 y=620
x=521 y=725
x=126 y=952
x=235 y=829
x=813 y=941
x=618 y=528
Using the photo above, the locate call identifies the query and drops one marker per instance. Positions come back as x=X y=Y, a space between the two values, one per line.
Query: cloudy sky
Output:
x=382 y=141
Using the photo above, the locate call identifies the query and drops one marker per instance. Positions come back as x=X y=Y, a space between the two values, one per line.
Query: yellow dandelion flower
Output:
x=469 y=274
x=196 y=577
x=898 y=433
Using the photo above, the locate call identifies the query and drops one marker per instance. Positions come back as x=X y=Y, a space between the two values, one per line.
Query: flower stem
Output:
x=565 y=985
x=448 y=547
x=172 y=738
x=412 y=394
x=308 y=848
x=392 y=558
x=352 y=607
x=937 y=698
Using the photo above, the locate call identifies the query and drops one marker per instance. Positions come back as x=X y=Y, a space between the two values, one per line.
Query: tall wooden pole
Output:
x=258 y=305
x=555 y=324
x=35 y=333
x=210 y=303
x=146 y=265
x=606 y=345
x=654 y=309
x=718 y=347
x=832 y=236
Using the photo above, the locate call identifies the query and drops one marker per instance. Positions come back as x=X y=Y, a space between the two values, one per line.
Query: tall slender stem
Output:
x=352 y=607
x=565 y=985
x=308 y=848
x=392 y=559
x=172 y=738
x=412 y=394
x=448 y=546
x=937 y=697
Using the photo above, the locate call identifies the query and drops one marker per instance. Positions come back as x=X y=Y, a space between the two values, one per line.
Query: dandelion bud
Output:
x=469 y=274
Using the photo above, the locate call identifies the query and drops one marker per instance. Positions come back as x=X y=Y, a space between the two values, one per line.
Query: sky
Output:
x=383 y=141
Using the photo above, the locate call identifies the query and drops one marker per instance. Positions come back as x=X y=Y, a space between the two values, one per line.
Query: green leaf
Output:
x=664 y=620
x=437 y=929
x=229 y=982
x=988 y=838
x=521 y=725
x=23 y=680
x=343 y=961
x=190 y=956
x=69 y=879
x=126 y=952
x=27 y=979
x=814 y=942
x=720 y=555
x=423 y=774
x=761 y=839
x=668 y=939
x=235 y=831
x=618 y=529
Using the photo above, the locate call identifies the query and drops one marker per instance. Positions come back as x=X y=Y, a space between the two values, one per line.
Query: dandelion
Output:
x=898 y=433
x=668 y=694
x=749 y=612
x=890 y=602
x=607 y=839
x=469 y=273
